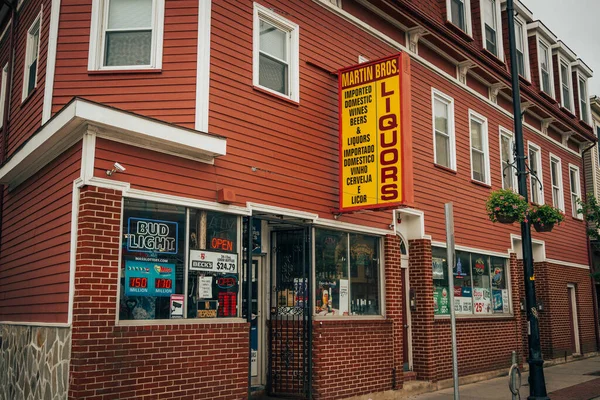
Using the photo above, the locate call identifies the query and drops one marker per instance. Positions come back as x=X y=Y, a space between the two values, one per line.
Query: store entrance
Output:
x=257 y=324
x=289 y=334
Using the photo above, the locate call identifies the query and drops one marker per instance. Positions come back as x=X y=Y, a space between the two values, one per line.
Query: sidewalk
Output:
x=577 y=380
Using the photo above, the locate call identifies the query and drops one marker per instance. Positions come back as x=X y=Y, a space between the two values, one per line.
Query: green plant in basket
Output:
x=544 y=217
x=506 y=206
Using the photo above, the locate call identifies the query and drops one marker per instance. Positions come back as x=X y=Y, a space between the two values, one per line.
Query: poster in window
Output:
x=497 y=301
x=482 y=303
x=152 y=279
x=441 y=301
x=438 y=267
x=205 y=284
x=463 y=305
x=505 y=302
x=177 y=306
x=211 y=261
x=344 y=292
x=497 y=277
x=458 y=269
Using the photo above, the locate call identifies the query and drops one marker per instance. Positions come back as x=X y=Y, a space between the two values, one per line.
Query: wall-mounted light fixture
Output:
x=116 y=168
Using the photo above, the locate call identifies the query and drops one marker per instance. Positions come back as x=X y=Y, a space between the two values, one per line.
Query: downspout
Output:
x=589 y=251
x=7 y=99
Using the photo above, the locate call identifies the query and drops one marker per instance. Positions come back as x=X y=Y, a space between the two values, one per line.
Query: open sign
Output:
x=226 y=282
x=221 y=244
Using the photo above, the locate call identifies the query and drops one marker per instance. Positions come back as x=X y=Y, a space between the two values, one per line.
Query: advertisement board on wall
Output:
x=211 y=261
x=144 y=278
x=375 y=134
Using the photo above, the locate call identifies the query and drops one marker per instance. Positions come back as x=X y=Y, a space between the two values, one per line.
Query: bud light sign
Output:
x=152 y=236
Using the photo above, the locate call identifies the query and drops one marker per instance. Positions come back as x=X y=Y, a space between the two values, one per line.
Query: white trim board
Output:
x=203 y=66
x=51 y=60
x=61 y=132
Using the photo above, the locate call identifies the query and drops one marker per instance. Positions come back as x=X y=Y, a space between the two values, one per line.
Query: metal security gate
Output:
x=290 y=340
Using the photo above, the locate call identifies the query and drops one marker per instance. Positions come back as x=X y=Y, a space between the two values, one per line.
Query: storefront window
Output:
x=154 y=268
x=347 y=274
x=479 y=284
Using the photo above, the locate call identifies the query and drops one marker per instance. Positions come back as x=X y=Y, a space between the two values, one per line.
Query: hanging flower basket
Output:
x=506 y=206
x=544 y=217
x=539 y=227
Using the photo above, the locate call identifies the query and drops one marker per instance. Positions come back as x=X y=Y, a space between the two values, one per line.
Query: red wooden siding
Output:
x=169 y=95
x=26 y=117
x=36 y=233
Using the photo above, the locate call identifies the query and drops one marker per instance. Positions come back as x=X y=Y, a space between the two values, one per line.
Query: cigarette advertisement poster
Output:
x=375 y=137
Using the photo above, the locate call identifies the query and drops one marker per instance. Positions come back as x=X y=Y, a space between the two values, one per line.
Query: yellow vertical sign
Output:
x=370 y=136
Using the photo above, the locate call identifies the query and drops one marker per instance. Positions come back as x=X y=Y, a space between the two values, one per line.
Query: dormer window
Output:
x=545 y=68
x=490 y=13
x=583 y=103
x=459 y=14
x=565 y=84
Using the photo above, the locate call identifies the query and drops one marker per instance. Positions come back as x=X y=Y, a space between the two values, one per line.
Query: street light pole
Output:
x=537 y=384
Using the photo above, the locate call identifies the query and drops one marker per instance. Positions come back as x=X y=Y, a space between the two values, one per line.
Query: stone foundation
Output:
x=34 y=362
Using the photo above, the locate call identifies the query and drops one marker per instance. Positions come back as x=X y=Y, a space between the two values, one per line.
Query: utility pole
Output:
x=537 y=383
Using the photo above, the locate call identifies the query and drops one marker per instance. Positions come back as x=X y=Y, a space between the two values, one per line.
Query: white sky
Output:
x=575 y=22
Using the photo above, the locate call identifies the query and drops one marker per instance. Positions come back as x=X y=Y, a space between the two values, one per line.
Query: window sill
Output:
x=124 y=71
x=353 y=318
x=183 y=321
x=445 y=169
x=547 y=96
x=585 y=124
x=482 y=184
x=470 y=318
x=524 y=80
x=493 y=56
x=454 y=28
x=276 y=95
x=578 y=219
x=567 y=111
x=29 y=96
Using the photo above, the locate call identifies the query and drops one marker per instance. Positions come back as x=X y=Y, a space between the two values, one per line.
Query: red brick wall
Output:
x=555 y=323
x=394 y=302
x=352 y=358
x=421 y=279
x=191 y=361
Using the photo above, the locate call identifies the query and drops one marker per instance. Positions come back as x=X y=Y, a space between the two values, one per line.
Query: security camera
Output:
x=116 y=168
x=119 y=167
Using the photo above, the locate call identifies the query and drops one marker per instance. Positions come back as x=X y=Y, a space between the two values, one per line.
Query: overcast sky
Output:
x=575 y=22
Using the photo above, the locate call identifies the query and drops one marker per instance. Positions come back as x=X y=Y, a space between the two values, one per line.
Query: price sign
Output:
x=211 y=261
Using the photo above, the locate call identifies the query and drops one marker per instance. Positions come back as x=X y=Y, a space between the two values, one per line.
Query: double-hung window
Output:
x=3 y=93
x=557 y=184
x=575 y=190
x=583 y=101
x=535 y=167
x=565 y=84
x=32 y=53
x=507 y=145
x=459 y=14
x=491 y=27
x=520 y=47
x=443 y=130
x=126 y=34
x=598 y=137
x=479 y=148
x=276 y=54
x=545 y=68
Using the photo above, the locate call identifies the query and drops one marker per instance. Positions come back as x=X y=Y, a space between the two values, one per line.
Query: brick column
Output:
x=96 y=282
x=394 y=303
x=421 y=279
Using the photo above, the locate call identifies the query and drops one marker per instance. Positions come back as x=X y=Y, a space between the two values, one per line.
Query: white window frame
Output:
x=560 y=201
x=574 y=207
x=467 y=8
x=98 y=38
x=293 y=30
x=587 y=117
x=499 y=46
x=436 y=94
x=538 y=169
x=526 y=65
x=29 y=52
x=473 y=116
x=540 y=40
x=3 y=93
x=508 y=134
x=562 y=63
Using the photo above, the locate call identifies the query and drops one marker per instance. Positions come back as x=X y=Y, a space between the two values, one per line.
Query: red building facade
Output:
x=142 y=141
